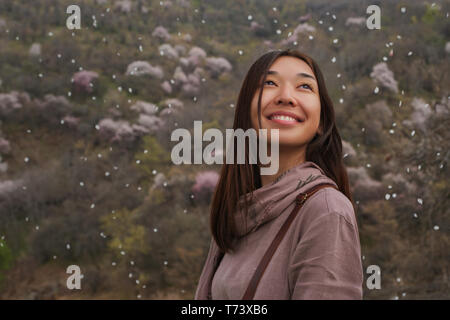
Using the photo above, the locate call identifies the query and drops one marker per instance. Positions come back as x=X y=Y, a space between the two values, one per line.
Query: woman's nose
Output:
x=283 y=100
x=285 y=97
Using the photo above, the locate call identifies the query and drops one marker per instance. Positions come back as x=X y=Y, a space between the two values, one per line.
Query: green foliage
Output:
x=431 y=13
x=124 y=233
x=6 y=259
x=152 y=157
x=210 y=125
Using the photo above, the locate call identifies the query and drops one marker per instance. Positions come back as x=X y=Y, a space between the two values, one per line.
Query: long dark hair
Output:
x=238 y=179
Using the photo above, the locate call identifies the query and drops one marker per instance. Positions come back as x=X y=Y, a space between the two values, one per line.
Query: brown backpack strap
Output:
x=300 y=200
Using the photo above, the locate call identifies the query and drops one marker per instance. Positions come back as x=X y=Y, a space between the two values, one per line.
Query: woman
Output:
x=319 y=257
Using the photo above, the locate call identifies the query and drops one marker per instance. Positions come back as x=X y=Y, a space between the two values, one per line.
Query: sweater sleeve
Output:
x=326 y=263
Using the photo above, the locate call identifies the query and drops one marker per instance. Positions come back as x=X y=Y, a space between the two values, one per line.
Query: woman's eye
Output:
x=267 y=82
x=306 y=85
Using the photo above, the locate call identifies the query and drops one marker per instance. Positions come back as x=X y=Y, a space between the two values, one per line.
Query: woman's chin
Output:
x=289 y=143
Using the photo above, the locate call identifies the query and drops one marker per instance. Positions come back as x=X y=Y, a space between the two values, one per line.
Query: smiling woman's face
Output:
x=289 y=102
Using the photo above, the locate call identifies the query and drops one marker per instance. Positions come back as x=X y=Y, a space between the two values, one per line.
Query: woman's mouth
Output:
x=284 y=119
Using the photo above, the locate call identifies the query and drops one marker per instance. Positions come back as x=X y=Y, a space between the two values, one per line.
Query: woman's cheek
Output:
x=297 y=137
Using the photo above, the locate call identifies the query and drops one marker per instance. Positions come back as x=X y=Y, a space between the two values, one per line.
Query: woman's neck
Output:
x=287 y=160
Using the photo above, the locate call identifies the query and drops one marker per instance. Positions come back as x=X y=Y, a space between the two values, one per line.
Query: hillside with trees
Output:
x=86 y=116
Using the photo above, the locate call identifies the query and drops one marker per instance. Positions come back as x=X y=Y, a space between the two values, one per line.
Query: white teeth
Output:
x=286 y=118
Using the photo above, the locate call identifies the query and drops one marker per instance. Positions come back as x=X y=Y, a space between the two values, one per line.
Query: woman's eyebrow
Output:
x=301 y=74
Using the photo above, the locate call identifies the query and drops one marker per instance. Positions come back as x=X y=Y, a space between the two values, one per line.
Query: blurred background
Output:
x=86 y=116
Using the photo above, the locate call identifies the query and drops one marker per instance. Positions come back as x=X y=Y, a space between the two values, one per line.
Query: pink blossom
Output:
x=364 y=187
x=304 y=28
x=52 y=104
x=190 y=89
x=13 y=101
x=348 y=149
x=35 y=49
x=304 y=18
x=166 y=87
x=384 y=76
x=116 y=131
x=168 y=51
x=255 y=25
x=9 y=185
x=359 y=21
x=83 y=80
x=124 y=5
x=187 y=37
x=144 y=107
x=205 y=184
x=196 y=56
x=152 y=123
x=180 y=49
x=71 y=121
x=171 y=106
x=161 y=32
x=179 y=75
x=4 y=146
x=139 y=68
x=218 y=65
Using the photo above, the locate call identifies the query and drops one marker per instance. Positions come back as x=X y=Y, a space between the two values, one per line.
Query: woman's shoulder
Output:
x=330 y=202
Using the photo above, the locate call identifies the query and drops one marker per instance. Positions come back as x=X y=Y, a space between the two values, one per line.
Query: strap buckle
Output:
x=301 y=198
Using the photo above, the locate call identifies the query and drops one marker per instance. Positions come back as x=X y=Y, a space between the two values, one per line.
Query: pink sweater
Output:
x=318 y=258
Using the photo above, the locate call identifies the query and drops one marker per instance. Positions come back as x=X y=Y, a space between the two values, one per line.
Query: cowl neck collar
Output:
x=268 y=203
x=270 y=200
